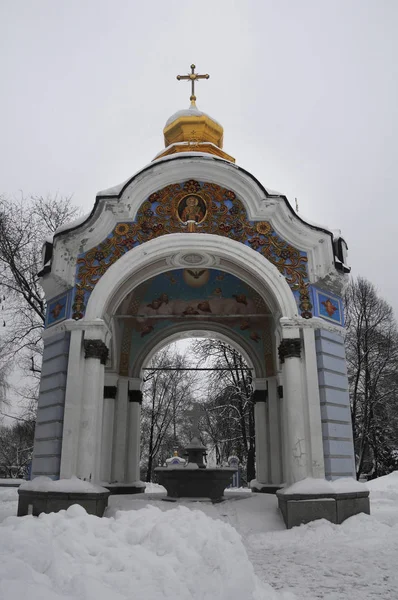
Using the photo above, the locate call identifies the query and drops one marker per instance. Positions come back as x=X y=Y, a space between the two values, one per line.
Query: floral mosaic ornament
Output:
x=192 y=206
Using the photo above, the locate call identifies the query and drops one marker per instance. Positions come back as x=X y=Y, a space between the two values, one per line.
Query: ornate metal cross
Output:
x=192 y=77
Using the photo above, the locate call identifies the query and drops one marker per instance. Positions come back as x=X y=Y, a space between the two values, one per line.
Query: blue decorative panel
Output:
x=328 y=306
x=58 y=309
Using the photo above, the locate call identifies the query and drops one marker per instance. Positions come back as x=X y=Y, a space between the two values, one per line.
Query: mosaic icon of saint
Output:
x=192 y=208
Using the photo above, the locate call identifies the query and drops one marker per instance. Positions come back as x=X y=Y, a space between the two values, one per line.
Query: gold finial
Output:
x=192 y=77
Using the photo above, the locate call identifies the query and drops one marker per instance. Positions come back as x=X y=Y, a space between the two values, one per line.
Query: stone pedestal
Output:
x=336 y=508
x=34 y=502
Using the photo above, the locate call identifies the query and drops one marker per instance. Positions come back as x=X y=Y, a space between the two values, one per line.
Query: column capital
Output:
x=289 y=348
x=260 y=396
x=110 y=391
x=96 y=349
x=135 y=396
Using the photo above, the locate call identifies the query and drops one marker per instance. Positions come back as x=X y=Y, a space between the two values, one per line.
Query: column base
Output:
x=336 y=508
x=136 y=487
x=264 y=488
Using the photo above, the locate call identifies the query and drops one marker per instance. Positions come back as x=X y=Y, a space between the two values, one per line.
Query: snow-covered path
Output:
x=357 y=560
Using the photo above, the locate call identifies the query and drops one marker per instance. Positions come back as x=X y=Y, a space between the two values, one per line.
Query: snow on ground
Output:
x=356 y=560
x=141 y=549
x=248 y=513
x=8 y=502
x=154 y=488
x=145 y=554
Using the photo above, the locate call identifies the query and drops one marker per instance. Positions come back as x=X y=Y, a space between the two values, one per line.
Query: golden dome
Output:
x=192 y=130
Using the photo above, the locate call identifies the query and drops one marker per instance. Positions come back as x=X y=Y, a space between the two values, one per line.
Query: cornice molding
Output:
x=314 y=323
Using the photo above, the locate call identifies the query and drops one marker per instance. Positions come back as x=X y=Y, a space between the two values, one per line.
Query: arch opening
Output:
x=209 y=377
x=193 y=285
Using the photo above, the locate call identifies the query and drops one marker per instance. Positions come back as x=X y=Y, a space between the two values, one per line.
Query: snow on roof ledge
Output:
x=192 y=111
x=72 y=224
x=311 y=485
x=336 y=233
x=115 y=190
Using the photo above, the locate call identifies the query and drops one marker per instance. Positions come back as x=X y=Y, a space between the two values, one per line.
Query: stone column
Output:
x=108 y=417
x=120 y=432
x=314 y=405
x=134 y=431
x=260 y=419
x=274 y=422
x=297 y=459
x=73 y=401
x=96 y=354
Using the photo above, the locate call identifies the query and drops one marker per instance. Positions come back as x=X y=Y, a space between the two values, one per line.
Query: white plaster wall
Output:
x=50 y=412
x=335 y=405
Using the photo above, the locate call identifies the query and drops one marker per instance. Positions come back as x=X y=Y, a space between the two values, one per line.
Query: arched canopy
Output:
x=183 y=250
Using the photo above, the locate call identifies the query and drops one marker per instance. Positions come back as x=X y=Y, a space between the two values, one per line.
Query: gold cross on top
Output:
x=192 y=77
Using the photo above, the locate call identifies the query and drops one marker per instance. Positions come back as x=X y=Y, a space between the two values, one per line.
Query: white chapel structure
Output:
x=193 y=245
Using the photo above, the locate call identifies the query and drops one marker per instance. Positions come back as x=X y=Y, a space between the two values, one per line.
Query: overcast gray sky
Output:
x=306 y=91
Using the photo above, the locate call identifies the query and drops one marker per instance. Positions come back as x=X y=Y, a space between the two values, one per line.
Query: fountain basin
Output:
x=195 y=482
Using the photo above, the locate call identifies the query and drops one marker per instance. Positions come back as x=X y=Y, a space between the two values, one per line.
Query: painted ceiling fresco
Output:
x=193 y=296
x=192 y=206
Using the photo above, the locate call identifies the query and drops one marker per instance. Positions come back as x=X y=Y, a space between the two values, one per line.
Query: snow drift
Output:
x=145 y=554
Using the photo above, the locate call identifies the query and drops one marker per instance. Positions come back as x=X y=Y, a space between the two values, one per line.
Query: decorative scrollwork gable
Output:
x=199 y=207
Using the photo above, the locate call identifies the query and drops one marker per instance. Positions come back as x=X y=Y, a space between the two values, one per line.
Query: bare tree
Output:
x=168 y=392
x=24 y=226
x=16 y=447
x=372 y=358
x=230 y=408
x=3 y=390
